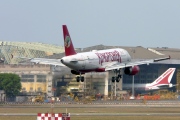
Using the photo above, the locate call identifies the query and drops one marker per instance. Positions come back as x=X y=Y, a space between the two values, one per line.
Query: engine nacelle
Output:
x=131 y=70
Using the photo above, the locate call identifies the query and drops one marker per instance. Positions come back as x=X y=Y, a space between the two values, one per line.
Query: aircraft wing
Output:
x=47 y=61
x=129 y=64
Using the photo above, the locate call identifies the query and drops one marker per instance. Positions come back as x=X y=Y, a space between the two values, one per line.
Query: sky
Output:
x=146 y=23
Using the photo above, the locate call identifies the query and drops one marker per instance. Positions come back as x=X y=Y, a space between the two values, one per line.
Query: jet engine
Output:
x=131 y=70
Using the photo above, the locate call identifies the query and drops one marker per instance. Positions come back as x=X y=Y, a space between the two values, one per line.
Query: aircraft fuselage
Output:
x=96 y=60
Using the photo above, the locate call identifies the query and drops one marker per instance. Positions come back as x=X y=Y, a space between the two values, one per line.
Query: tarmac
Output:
x=124 y=104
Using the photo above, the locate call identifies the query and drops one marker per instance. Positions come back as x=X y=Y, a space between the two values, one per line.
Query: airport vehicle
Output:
x=96 y=60
x=39 y=99
x=162 y=82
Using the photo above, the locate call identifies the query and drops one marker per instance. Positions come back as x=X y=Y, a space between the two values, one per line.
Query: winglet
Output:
x=160 y=59
x=68 y=45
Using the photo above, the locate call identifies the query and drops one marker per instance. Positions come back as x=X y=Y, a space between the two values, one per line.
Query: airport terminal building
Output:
x=51 y=81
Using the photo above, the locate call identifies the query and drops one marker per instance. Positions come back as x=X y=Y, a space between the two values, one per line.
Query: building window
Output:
x=143 y=76
x=136 y=81
x=41 y=78
x=30 y=80
x=155 y=76
x=23 y=80
x=27 y=78
x=143 y=81
x=149 y=81
x=39 y=89
x=31 y=89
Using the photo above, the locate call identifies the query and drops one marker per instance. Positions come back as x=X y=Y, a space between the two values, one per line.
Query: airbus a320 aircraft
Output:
x=100 y=61
x=96 y=61
x=162 y=82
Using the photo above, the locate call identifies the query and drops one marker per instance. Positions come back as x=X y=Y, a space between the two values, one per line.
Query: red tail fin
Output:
x=68 y=45
x=166 y=77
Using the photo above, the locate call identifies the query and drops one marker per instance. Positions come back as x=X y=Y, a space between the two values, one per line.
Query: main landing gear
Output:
x=117 y=76
x=80 y=78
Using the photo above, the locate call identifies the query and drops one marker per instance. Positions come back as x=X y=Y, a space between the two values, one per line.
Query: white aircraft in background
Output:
x=163 y=81
x=96 y=60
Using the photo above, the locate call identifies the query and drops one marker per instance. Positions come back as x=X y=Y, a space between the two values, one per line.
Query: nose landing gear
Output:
x=80 y=78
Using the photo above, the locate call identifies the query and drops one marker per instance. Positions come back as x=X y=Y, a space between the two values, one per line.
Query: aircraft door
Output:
x=125 y=57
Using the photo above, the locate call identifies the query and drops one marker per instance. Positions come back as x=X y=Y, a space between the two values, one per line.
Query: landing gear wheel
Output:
x=117 y=79
x=82 y=78
x=113 y=79
x=77 y=78
x=119 y=76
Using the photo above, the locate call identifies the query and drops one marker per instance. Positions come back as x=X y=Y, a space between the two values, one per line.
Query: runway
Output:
x=130 y=108
x=168 y=104
x=98 y=114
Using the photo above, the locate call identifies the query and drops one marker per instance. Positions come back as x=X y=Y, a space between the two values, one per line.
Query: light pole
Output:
x=132 y=96
x=115 y=89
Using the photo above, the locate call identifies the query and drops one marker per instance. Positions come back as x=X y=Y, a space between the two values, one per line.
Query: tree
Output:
x=10 y=83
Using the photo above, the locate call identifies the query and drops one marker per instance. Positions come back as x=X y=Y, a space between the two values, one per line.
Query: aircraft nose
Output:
x=65 y=60
x=62 y=61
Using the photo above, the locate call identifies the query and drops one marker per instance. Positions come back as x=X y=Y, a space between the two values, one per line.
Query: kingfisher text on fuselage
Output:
x=109 y=56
